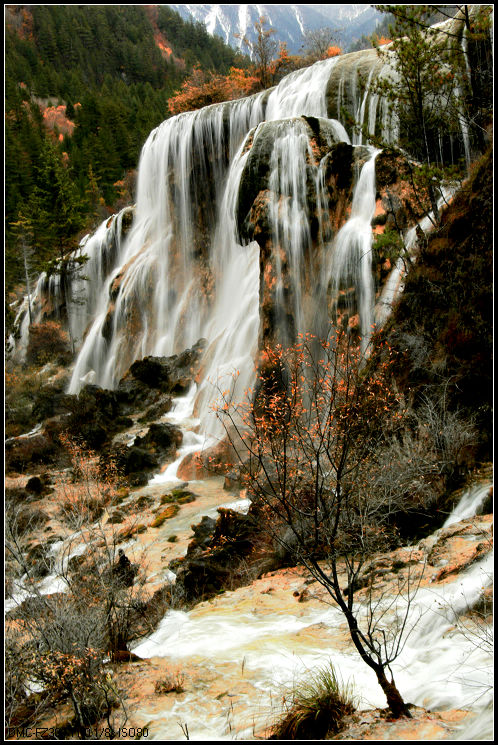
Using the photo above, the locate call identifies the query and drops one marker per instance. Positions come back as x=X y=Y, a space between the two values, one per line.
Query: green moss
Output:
x=178 y=496
x=166 y=514
x=127 y=533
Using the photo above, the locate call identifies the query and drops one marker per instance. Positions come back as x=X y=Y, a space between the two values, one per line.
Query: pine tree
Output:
x=54 y=208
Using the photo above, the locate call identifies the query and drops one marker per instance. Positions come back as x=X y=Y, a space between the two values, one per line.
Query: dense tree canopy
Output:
x=113 y=68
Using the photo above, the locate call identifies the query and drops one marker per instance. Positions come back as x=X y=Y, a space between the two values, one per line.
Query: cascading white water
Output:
x=101 y=252
x=289 y=216
x=470 y=504
x=255 y=648
x=351 y=260
x=161 y=303
x=86 y=274
x=233 y=327
x=394 y=285
x=181 y=273
x=173 y=286
x=303 y=93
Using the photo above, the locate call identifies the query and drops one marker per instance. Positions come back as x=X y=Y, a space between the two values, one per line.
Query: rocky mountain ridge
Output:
x=233 y=22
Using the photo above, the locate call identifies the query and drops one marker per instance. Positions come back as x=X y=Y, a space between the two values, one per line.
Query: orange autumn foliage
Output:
x=204 y=88
x=334 y=51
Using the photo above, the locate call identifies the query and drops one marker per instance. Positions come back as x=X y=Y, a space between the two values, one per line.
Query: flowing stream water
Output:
x=158 y=287
x=243 y=650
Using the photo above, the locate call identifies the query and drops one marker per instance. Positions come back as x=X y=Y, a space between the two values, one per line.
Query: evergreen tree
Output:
x=422 y=87
x=54 y=210
x=104 y=64
x=425 y=94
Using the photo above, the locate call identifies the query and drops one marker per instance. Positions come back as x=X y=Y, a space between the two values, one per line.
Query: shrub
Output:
x=204 y=88
x=21 y=390
x=24 y=453
x=60 y=642
x=47 y=342
x=316 y=707
x=172 y=683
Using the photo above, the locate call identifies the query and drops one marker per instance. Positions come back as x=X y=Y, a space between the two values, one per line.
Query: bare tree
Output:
x=318 y=41
x=331 y=455
x=263 y=50
x=318 y=414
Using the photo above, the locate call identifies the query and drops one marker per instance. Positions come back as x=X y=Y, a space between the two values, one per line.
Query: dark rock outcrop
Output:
x=224 y=554
x=151 y=381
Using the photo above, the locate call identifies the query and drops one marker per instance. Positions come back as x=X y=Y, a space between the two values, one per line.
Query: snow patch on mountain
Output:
x=234 y=22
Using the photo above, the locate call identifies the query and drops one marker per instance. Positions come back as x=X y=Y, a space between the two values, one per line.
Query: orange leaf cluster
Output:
x=334 y=51
x=204 y=88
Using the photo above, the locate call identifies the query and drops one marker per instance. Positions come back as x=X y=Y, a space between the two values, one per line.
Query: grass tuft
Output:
x=315 y=707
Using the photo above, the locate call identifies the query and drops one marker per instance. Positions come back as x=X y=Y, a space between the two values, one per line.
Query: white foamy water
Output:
x=440 y=667
x=470 y=504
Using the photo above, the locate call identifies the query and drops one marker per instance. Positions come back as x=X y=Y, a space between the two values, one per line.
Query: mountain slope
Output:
x=233 y=22
x=94 y=81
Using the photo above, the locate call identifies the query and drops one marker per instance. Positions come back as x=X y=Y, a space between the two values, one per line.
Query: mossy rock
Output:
x=166 y=514
x=120 y=495
x=127 y=533
x=178 y=496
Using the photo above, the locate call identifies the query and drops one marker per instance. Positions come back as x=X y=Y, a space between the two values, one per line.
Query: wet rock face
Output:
x=224 y=554
x=294 y=195
x=138 y=462
x=22 y=453
x=398 y=200
x=165 y=375
x=254 y=197
x=163 y=437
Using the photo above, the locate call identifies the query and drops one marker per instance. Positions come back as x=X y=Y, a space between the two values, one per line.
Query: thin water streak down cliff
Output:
x=241 y=232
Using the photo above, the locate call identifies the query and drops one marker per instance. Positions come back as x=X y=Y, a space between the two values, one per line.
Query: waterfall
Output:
x=352 y=258
x=183 y=272
x=80 y=294
x=470 y=504
x=232 y=330
x=394 y=285
x=157 y=301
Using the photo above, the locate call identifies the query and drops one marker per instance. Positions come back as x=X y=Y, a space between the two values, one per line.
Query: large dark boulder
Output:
x=162 y=438
x=135 y=463
x=139 y=461
x=95 y=416
x=50 y=401
x=150 y=380
x=224 y=554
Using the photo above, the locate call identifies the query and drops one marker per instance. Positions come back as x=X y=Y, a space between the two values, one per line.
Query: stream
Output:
x=244 y=649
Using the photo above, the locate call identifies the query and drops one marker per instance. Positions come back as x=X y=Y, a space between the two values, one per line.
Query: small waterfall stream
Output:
x=256 y=641
x=173 y=285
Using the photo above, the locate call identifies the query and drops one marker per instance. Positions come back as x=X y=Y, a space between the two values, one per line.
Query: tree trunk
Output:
x=395 y=702
x=397 y=706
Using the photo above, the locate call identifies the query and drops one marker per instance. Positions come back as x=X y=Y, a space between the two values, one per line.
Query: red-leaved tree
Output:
x=307 y=439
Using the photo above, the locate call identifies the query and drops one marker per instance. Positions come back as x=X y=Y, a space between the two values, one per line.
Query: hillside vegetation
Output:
x=84 y=86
